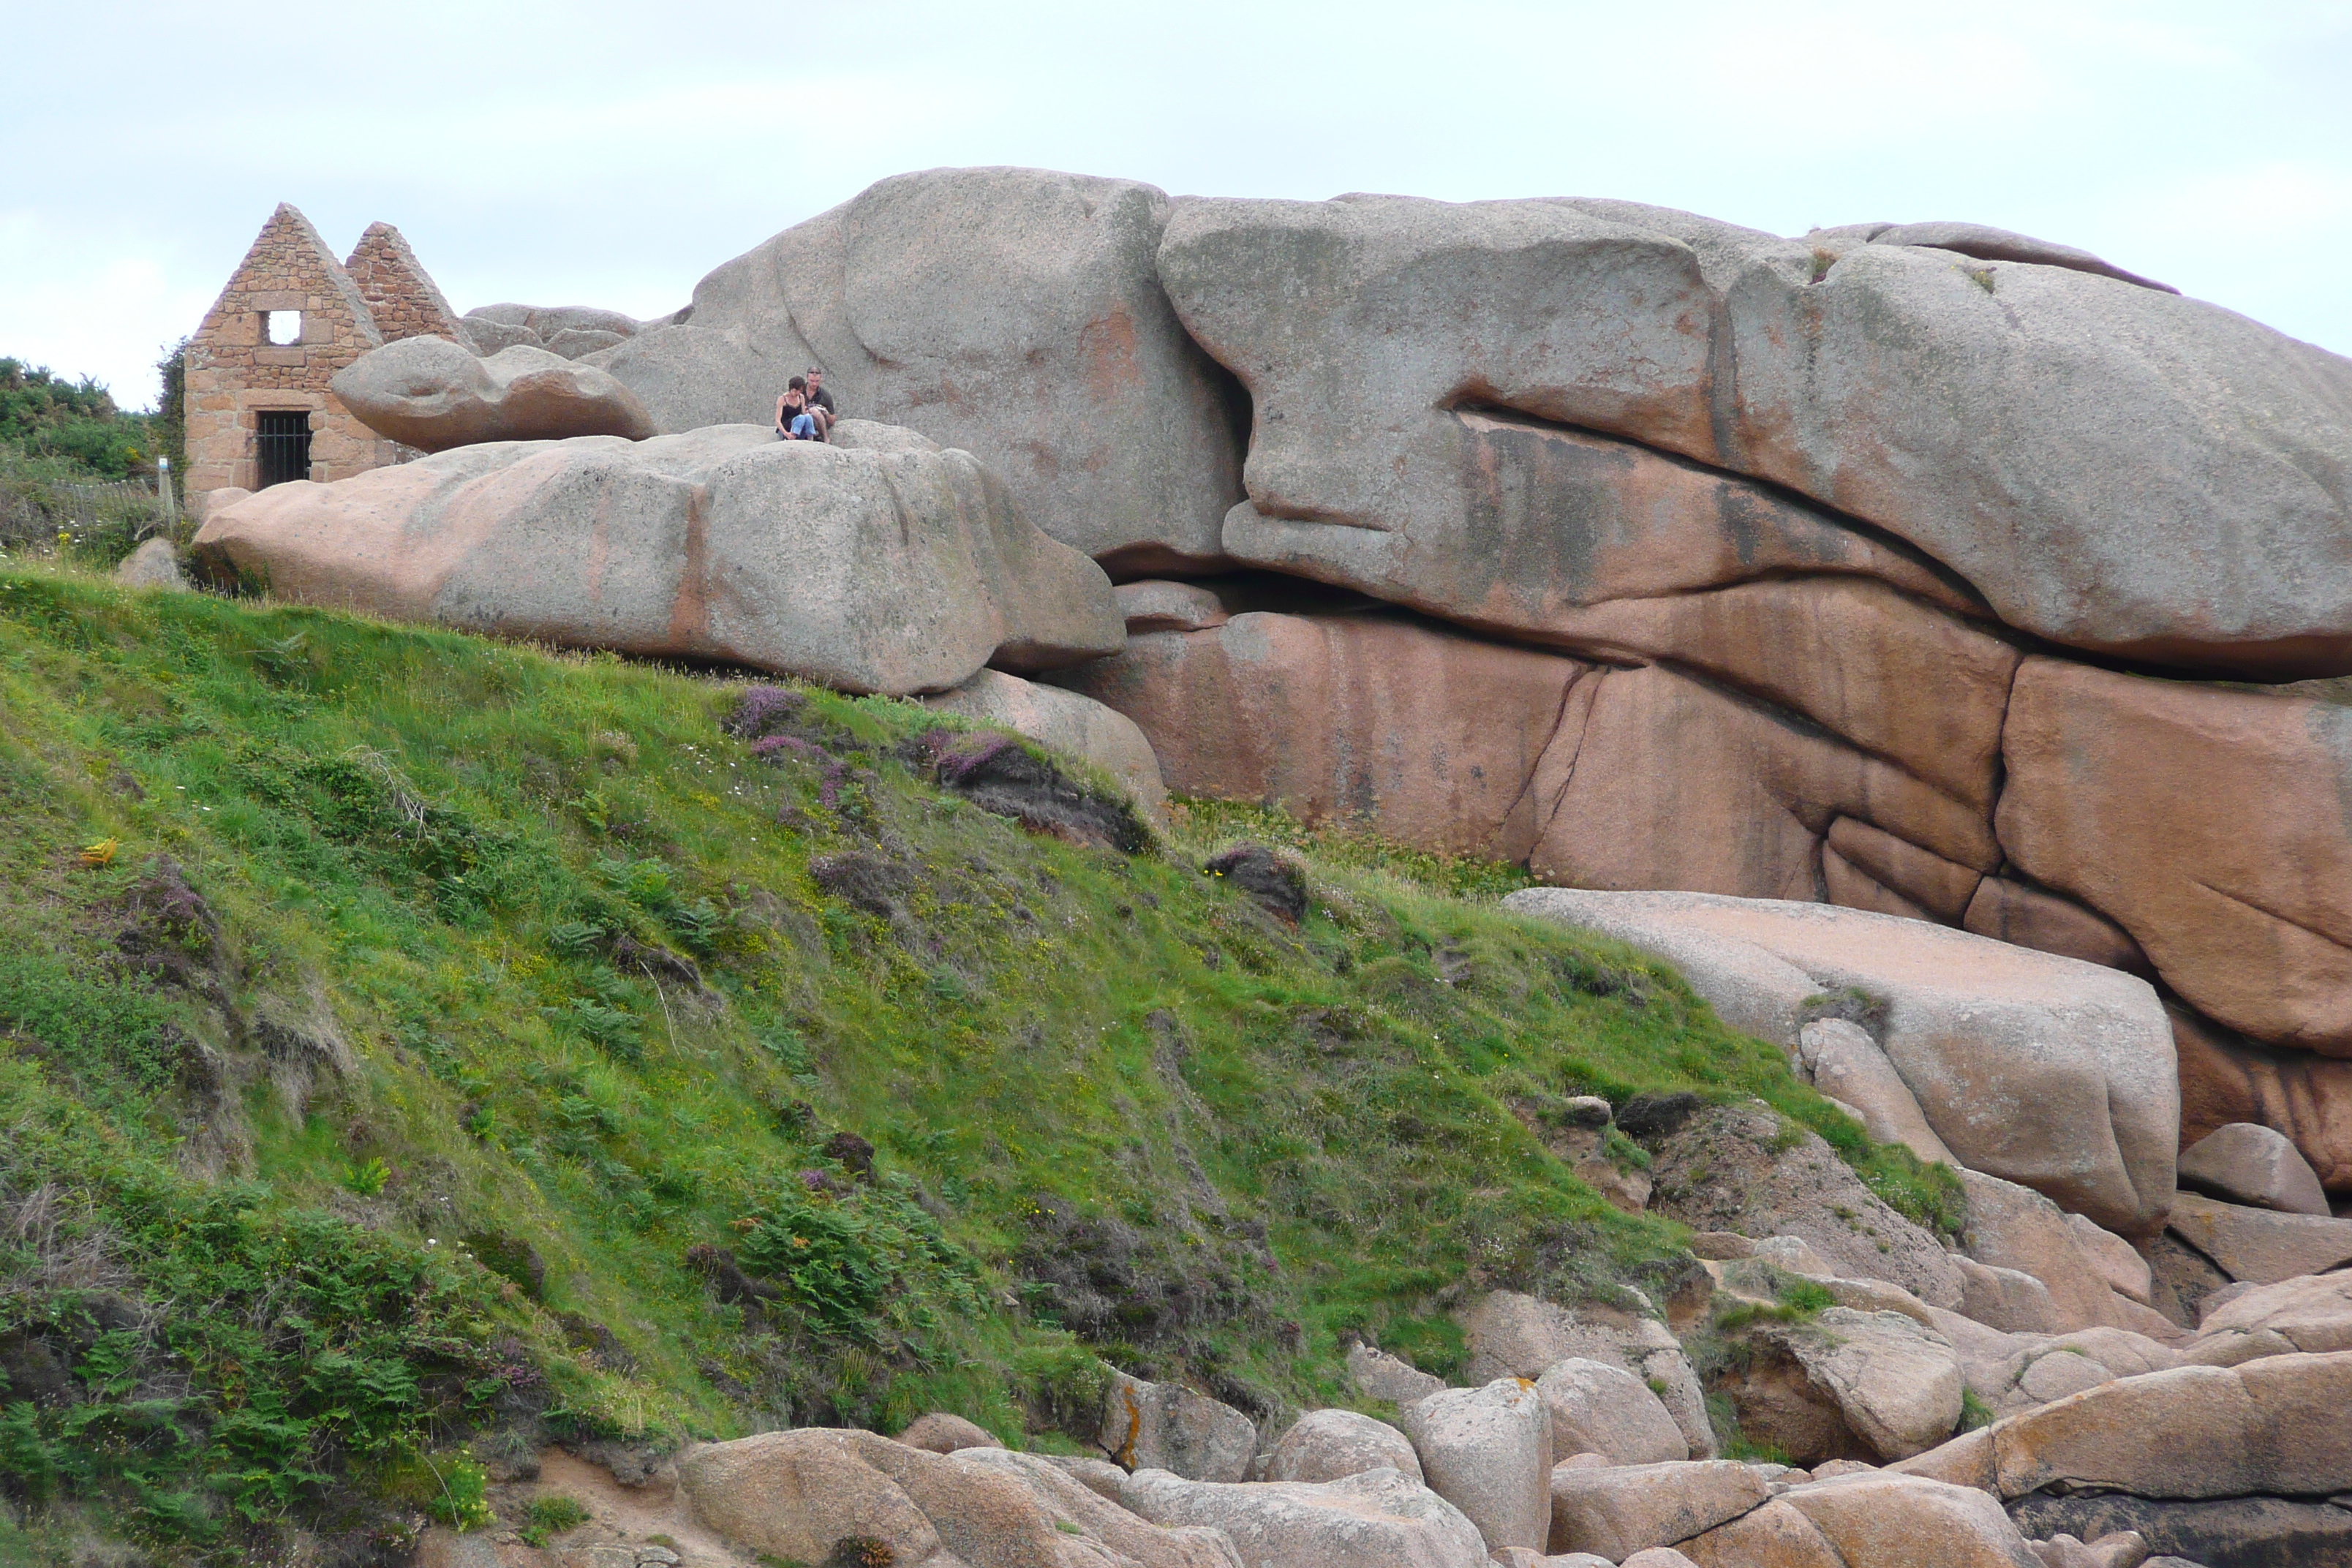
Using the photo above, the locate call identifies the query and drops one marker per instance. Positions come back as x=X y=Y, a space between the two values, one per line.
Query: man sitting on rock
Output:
x=820 y=402
x=793 y=420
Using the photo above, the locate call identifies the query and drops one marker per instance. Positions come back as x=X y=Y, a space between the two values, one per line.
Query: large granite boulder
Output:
x=1013 y=312
x=1379 y=1519
x=1514 y=1335
x=1487 y=1451
x=1615 y=1510
x=2244 y=1163
x=569 y=331
x=1067 y=722
x=895 y=572
x=2014 y=1373
x=817 y=1495
x=1897 y=1383
x=2310 y=1312
x=1380 y=1375
x=2193 y=1534
x=154 y=564
x=2014 y=1227
x=2260 y=1246
x=1599 y=1408
x=1167 y=1427
x=1959 y=404
x=430 y=394
x=1325 y=1445
x=1965 y=408
x=944 y=1432
x=2269 y=1426
x=1838 y=1056
x=2212 y=824
x=1868 y=1520
x=2043 y=1070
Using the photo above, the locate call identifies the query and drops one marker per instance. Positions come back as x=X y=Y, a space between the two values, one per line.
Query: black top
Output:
x=819 y=396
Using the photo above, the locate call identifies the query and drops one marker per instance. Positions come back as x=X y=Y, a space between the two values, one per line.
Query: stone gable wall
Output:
x=234 y=373
x=400 y=295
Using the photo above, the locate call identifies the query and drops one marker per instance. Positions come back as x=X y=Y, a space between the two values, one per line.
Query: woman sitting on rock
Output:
x=795 y=421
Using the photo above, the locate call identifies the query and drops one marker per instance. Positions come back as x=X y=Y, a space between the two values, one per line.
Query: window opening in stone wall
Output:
x=282 y=446
x=281 y=329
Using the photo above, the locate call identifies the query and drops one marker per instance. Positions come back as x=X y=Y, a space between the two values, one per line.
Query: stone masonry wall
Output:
x=400 y=295
x=233 y=373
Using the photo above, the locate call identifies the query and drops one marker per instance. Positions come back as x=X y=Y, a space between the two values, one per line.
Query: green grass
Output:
x=551 y=1514
x=517 y=1012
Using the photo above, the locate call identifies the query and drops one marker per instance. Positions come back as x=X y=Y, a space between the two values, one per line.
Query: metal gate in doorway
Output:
x=281 y=445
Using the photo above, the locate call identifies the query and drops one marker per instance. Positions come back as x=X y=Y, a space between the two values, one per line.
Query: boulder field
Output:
x=2233 y=1454
x=1925 y=569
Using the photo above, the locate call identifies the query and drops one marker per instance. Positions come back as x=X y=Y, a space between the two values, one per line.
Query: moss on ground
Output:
x=420 y=1046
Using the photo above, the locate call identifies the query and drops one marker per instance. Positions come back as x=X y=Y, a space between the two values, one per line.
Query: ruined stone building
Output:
x=259 y=409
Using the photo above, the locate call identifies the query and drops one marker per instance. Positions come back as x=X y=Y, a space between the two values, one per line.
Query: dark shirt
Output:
x=823 y=399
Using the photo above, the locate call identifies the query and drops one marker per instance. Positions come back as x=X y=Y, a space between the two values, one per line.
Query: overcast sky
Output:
x=609 y=154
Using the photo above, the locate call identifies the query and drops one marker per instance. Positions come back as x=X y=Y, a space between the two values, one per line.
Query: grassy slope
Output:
x=1099 y=1073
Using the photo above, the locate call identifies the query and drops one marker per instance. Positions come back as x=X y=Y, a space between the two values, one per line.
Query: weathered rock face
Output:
x=2053 y=1073
x=896 y=572
x=1621 y=778
x=1979 y=240
x=2254 y=1529
x=2226 y=1078
x=2137 y=796
x=2311 y=1313
x=1360 y=325
x=1380 y=1375
x=2171 y=537
x=1154 y=605
x=2014 y=1373
x=430 y=394
x=2010 y=1299
x=1012 y=312
x=1433 y=734
x=1377 y=1520
x=570 y=331
x=1089 y=1509
x=1883 y=1520
x=1643 y=558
